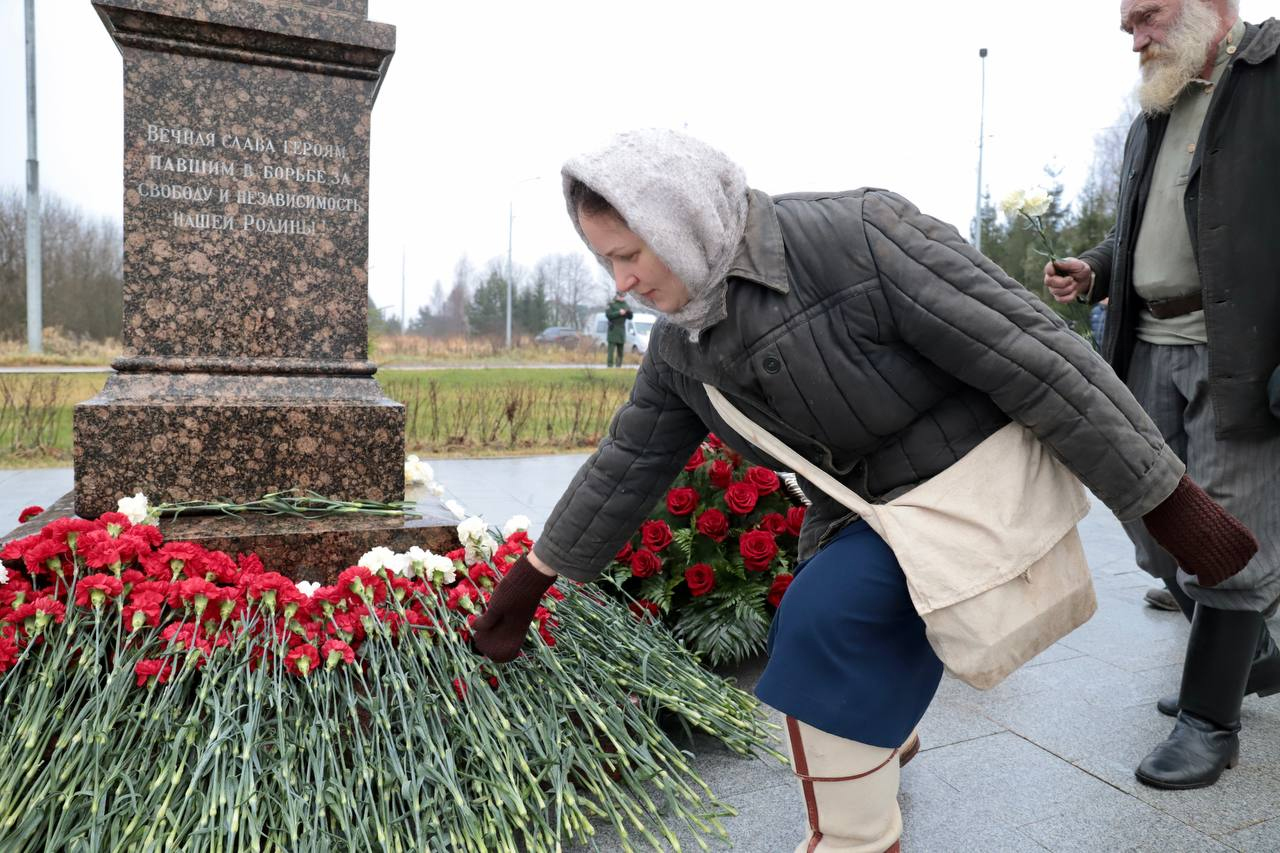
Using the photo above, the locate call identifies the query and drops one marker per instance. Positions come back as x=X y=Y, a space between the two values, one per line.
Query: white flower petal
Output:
x=514 y=523
x=134 y=508
x=307 y=588
x=4 y=575
x=456 y=508
x=377 y=558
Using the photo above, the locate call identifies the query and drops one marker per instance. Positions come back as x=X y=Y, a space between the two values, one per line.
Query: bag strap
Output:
x=775 y=447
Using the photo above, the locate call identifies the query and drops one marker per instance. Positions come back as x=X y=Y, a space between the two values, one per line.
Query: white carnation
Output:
x=440 y=568
x=417 y=472
x=473 y=533
x=436 y=489
x=417 y=556
x=4 y=575
x=399 y=564
x=1013 y=202
x=456 y=508
x=377 y=558
x=307 y=588
x=134 y=508
x=1036 y=203
x=515 y=523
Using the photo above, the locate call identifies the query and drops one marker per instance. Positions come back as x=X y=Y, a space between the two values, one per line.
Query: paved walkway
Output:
x=1042 y=762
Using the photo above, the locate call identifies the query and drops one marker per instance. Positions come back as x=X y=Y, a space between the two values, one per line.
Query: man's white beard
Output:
x=1168 y=68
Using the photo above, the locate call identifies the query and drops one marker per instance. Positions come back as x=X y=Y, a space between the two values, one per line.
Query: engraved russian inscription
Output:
x=257 y=165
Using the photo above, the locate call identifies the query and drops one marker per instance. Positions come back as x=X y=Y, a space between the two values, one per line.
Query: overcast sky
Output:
x=484 y=100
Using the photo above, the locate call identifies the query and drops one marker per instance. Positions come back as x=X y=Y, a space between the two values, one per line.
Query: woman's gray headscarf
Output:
x=685 y=199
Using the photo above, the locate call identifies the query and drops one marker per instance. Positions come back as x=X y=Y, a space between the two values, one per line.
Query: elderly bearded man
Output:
x=1193 y=326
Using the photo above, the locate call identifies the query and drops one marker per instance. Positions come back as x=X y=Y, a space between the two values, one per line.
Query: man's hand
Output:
x=1205 y=539
x=1067 y=278
x=499 y=632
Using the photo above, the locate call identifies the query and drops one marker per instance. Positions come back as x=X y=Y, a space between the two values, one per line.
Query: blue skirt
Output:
x=847 y=650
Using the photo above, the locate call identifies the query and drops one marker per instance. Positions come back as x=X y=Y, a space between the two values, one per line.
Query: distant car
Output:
x=562 y=335
x=638 y=328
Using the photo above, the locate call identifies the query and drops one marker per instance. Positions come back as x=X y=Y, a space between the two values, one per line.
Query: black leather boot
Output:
x=1264 y=677
x=1205 y=740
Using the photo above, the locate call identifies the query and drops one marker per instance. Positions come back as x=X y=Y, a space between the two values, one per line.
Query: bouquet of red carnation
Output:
x=716 y=554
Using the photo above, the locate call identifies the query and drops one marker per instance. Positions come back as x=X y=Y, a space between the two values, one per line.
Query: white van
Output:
x=638 y=329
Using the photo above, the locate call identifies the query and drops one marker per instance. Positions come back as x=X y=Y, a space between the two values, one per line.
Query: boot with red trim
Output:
x=850 y=792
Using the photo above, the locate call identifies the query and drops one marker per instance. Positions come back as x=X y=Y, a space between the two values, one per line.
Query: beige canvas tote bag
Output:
x=989 y=547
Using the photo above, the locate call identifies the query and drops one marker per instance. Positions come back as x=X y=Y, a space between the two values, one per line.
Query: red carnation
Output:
x=741 y=498
x=645 y=563
x=107 y=587
x=656 y=535
x=681 y=501
x=644 y=609
x=758 y=549
x=714 y=524
x=29 y=513
x=150 y=668
x=335 y=652
x=624 y=553
x=721 y=474
x=713 y=441
x=765 y=481
x=701 y=579
x=302 y=659
x=775 y=524
x=695 y=460
x=778 y=587
x=795 y=519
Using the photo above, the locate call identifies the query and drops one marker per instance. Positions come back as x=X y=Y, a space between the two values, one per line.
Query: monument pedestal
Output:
x=193 y=436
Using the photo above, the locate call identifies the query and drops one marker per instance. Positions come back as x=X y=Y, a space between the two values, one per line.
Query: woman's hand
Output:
x=1205 y=539
x=500 y=630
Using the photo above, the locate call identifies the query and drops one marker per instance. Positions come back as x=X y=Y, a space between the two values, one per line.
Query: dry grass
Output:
x=61 y=348
x=460 y=349
x=465 y=412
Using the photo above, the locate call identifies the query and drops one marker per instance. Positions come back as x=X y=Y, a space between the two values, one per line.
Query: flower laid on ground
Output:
x=713 y=552
x=1031 y=205
x=420 y=473
x=136 y=508
x=153 y=693
x=29 y=513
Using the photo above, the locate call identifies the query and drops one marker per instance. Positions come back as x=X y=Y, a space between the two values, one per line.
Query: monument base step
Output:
x=301 y=549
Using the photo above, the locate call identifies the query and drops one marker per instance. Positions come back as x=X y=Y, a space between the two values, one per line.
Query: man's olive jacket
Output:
x=1232 y=205
x=881 y=346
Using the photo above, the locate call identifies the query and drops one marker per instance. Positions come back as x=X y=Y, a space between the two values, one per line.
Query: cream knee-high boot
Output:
x=850 y=792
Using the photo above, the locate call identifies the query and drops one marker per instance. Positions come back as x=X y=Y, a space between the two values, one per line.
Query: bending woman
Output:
x=880 y=345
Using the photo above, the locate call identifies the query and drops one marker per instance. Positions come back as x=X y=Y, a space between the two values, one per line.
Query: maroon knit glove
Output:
x=499 y=632
x=1205 y=539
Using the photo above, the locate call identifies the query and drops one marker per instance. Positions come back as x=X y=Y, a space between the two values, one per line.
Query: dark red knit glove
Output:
x=1205 y=539
x=500 y=630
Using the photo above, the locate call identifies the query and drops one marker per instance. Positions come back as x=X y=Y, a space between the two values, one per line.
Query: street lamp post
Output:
x=35 y=320
x=511 y=218
x=982 y=121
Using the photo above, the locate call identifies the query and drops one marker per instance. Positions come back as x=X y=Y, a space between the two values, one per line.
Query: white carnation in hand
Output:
x=134 y=508
x=1013 y=202
x=1036 y=203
